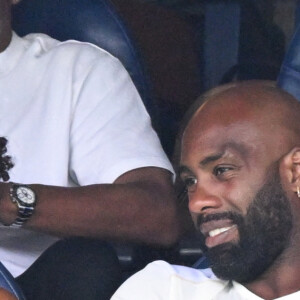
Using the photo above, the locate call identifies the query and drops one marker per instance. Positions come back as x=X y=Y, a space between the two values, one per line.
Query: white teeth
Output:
x=219 y=230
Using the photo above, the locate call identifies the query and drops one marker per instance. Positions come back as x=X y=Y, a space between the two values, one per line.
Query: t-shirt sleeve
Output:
x=111 y=130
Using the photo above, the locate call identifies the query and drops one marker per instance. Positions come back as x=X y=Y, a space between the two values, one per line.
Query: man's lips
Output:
x=219 y=232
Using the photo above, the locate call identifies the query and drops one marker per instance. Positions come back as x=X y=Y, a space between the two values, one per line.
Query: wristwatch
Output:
x=25 y=199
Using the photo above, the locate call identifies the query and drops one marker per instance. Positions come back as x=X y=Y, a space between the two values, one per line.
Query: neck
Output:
x=5 y=41
x=282 y=278
x=5 y=24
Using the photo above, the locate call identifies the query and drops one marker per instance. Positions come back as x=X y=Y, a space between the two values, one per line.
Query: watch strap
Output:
x=24 y=211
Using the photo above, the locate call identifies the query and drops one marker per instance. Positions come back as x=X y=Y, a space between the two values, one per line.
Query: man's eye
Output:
x=190 y=182
x=221 y=170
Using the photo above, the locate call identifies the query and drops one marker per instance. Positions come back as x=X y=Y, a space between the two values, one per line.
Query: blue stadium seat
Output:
x=289 y=76
x=7 y=282
x=97 y=22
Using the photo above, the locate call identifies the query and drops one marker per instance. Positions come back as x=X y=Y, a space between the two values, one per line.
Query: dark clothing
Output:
x=73 y=269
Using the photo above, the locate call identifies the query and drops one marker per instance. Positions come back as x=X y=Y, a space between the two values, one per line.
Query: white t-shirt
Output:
x=72 y=117
x=162 y=281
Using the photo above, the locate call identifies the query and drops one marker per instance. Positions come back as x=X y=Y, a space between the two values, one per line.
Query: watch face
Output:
x=25 y=194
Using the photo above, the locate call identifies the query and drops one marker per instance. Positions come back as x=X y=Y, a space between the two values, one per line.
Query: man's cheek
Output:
x=194 y=219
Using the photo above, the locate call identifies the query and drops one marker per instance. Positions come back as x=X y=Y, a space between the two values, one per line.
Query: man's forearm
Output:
x=137 y=207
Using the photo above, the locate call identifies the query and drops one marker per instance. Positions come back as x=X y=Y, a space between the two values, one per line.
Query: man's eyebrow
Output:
x=211 y=158
x=205 y=161
x=240 y=148
x=183 y=169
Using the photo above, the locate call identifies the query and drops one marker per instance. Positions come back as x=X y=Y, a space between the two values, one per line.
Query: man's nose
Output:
x=203 y=199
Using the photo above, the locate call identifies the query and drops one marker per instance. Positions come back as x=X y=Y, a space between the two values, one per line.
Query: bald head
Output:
x=255 y=105
x=251 y=98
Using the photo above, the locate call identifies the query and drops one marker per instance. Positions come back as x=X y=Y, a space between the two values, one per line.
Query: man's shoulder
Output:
x=78 y=58
x=160 y=280
x=42 y=45
x=183 y=272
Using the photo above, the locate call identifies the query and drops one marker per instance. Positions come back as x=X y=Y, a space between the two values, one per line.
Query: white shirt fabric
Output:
x=162 y=281
x=72 y=117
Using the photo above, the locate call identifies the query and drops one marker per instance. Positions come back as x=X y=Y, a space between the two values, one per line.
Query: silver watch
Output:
x=25 y=199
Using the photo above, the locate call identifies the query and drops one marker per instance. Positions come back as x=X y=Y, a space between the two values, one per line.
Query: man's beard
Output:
x=264 y=233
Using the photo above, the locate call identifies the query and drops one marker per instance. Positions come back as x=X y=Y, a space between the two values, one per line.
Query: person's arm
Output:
x=110 y=140
x=139 y=206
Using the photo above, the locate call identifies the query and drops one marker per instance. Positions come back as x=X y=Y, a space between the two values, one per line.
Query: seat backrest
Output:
x=289 y=75
x=8 y=283
x=94 y=21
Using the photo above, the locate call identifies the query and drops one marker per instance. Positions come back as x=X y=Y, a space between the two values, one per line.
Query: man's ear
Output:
x=290 y=169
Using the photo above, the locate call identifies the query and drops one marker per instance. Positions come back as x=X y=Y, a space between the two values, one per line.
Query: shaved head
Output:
x=262 y=98
x=274 y=111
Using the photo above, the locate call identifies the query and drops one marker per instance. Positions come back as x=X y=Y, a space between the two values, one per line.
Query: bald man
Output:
x=240 y=163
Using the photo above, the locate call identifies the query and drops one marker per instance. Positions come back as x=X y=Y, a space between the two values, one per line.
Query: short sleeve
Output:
x=111 y=131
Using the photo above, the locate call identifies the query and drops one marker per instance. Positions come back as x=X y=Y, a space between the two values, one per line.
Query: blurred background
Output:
x=189 y=46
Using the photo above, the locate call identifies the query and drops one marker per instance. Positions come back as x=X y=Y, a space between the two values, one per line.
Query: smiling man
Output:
x=240 y=162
